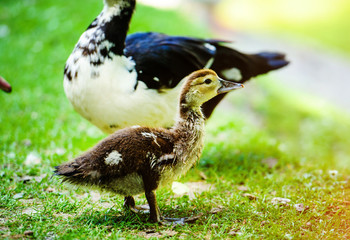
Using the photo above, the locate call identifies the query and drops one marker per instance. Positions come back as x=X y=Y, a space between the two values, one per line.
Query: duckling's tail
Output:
x=73 y=172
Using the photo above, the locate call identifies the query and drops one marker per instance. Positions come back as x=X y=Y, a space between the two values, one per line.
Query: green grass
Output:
x=262 y=123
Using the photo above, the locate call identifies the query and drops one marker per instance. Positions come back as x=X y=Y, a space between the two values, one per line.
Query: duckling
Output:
x=138 y=159
x=117 y=81
x=4 y=85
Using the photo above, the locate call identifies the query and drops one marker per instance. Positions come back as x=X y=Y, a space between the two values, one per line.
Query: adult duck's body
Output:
x=138 y=160
x=115 y=80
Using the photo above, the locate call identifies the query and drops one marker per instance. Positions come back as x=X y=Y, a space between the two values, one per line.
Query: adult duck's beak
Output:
x=5 y=86
x=227 y=86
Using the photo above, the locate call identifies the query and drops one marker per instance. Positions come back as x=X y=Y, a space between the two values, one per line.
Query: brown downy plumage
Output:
x=140 y=159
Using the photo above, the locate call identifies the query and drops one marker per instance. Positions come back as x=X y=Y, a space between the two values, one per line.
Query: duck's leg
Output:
x=155 y=215
x=153 y=206
x=129 y=203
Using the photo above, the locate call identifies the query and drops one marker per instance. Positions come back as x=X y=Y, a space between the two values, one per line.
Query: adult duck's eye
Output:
x=207 y=81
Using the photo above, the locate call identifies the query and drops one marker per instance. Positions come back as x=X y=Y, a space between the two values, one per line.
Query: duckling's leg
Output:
x=155 y=215
x=153 y=206
x=129 y=203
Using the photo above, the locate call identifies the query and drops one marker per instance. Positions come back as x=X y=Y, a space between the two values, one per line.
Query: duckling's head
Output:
x=202 y=85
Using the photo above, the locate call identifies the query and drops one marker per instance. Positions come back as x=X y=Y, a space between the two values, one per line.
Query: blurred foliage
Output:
x=325 y=21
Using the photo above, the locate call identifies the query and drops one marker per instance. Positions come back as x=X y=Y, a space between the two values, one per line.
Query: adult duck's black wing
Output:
x=162 y=60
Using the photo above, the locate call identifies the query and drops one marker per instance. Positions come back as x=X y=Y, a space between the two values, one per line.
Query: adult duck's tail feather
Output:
x=273 y=60
x=240 y=67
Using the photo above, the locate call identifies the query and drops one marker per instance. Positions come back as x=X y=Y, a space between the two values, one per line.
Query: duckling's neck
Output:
x=191 y=121
x=114 y=22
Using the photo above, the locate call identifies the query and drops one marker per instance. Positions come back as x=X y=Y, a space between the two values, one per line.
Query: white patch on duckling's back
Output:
x=150 y=135
x=162 y=158
x=114 y=158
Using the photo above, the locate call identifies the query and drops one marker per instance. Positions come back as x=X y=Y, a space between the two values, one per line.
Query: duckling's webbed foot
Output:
x=173 y=221
x=180 y=221
x=155 y=215
x=129 y=203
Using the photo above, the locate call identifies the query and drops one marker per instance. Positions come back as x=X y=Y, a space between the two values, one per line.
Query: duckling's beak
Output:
x=5 y=86
x=227 y=86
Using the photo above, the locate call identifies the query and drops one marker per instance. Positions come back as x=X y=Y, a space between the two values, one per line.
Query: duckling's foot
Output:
x=140 y=208
x=172 y=221
x=129 y=203
x=179 y=221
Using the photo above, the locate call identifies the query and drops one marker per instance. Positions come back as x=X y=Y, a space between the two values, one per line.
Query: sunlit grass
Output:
x=265 y=141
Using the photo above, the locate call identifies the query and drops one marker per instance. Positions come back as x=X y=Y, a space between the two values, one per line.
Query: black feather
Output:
x=171 y=58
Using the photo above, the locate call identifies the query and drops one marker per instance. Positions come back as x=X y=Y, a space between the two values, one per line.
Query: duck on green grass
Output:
x=138 y=160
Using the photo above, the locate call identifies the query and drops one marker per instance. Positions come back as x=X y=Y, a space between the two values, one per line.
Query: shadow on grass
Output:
x=126 y=219
x=113 y=218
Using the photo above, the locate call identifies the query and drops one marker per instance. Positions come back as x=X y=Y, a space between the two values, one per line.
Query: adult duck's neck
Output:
x=114 y=22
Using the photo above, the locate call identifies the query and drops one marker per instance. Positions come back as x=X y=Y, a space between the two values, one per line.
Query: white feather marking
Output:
x=114 y=158
x=232 y=73
x=166 y=157
x=162 y=158
x=151 y=135
x=210 y=47
x=148 y=135
x=108 y=13
x=209 y=63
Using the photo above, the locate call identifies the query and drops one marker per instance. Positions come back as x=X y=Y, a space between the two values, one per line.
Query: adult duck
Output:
x=114 y=80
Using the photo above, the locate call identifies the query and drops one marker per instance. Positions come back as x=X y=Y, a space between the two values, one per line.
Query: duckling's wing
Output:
x=127 y=151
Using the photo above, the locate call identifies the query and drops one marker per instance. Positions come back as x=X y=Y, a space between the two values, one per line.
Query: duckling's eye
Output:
x=207 y=81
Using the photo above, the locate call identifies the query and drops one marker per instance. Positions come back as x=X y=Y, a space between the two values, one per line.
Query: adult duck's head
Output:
x=202 y=85
x=111 y=3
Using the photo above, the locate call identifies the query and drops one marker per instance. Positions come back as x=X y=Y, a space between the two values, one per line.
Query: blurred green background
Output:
x=323 y=21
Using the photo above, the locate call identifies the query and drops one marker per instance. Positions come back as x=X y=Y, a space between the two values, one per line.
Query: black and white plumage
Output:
x=114 y=80
x=138 y=160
